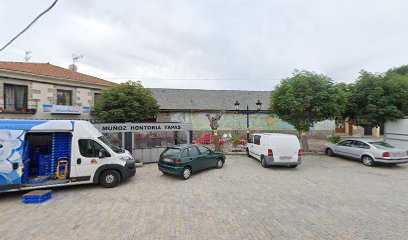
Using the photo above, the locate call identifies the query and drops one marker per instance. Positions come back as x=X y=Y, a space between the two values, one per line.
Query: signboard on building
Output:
x=61 y=109
x=142 y=127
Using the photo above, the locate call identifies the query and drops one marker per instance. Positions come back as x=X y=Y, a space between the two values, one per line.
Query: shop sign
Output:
x=143 y=127
x=61 y=109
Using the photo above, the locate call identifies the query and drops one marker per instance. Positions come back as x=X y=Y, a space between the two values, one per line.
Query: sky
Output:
x=210 y=44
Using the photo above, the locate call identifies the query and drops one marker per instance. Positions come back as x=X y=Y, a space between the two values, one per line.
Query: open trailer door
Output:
x=11 y=159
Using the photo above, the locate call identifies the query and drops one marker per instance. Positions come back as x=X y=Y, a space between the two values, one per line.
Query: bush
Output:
x=138 y=161
x=334 y=138
x=236 y=140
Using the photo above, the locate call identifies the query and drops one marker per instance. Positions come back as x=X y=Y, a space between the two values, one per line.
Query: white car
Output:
x=275 y=149
x=370 y=152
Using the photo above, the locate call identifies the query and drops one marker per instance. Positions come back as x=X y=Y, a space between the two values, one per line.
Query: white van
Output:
x=48 y=153
x=275 y=149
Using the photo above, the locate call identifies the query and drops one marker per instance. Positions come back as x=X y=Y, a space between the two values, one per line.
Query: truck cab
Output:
x=48 y=153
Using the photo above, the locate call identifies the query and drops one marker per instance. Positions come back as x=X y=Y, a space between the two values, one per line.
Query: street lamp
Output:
x=248 y=112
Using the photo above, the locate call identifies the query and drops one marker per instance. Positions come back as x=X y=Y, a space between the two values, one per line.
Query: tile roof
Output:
x=46 y=69
x=199 y=99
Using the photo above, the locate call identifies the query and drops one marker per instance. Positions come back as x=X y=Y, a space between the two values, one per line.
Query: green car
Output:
x=183 y=160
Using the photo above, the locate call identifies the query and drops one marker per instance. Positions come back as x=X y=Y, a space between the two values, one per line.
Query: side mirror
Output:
x=102 y=153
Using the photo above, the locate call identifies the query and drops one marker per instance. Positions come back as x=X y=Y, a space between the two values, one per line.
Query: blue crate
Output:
x=61 y=148
x=36 y=197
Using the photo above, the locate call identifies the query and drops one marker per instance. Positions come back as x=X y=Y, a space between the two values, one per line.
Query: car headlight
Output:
x=125 y=158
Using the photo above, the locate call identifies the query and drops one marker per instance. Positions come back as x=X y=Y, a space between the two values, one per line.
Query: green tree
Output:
x=125 y=102
x=380 y=97
x=347 y=107
x=305 y=99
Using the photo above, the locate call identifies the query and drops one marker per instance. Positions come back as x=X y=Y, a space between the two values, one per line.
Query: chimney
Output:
x=73 y=67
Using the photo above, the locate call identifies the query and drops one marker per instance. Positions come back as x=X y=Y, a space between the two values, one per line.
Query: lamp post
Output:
x=248 y=112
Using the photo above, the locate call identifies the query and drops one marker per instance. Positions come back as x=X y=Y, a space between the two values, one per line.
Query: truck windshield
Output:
x=110 y=145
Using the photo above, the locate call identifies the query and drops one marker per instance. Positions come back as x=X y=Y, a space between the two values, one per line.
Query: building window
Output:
x=64 y=97
x=15 y=97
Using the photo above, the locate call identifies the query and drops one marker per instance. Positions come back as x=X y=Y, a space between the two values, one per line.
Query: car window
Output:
x=90 y=148
x=251 y=139
x=173 y=152
x=359 y=144
x=193 y=152
x=257 y=140
x=346 y=143
x=204 y=150
x=185 y=153
x=381 y=145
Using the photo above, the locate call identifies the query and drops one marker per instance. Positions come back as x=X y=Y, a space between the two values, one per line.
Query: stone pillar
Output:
x=376 y=132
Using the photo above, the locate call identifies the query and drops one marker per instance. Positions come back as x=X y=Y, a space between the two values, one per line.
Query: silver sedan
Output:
x=368 y=151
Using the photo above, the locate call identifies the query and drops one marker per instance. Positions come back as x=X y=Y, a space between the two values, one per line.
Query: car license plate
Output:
x=167 y=160
x=284 y=158
x=400 y=154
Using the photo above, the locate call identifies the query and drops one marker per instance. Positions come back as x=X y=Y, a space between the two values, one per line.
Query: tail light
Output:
x=270 y=153
x=177 y=160
x=386 y=154
x=161 y=157
x=300 y=153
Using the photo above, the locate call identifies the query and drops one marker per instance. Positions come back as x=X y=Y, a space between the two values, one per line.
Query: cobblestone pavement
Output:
x=324 y=198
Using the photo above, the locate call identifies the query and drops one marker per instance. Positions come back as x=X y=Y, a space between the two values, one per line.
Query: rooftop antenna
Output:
x=27 y=57
x=75 y=58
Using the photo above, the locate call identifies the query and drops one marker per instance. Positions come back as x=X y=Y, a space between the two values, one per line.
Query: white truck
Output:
x=49 y=153
x=396 y=133
x=275 y=149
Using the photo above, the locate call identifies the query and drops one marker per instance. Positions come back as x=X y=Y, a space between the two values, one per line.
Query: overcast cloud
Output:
x=251 y=43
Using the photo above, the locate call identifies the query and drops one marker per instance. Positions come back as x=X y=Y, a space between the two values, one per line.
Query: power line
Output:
x=29 y=25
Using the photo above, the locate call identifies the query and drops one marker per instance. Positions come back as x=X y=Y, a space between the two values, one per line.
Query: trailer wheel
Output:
x=109 y=179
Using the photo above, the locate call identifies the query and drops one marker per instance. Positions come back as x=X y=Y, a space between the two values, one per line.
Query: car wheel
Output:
x=220 y=163
x=164 y=172
x=186 y=173
x=109 y=179
x=263 y=162
x=293 y=166
x=329 y=152
x=247 y=152
x=368 y=161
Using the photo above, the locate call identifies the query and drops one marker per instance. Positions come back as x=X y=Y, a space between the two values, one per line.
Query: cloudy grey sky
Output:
x=243 y=44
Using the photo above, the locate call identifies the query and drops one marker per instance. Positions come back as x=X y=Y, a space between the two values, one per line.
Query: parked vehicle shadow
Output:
x=275 y=167
x=6 y=196
x=377 y=165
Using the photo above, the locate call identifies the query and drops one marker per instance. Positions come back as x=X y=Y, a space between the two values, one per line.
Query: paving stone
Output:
x=324 y=198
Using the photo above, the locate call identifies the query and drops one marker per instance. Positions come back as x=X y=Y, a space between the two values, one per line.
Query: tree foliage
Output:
x=378 y=98
x=305 y=99
x=126 y=102
x=347 y=106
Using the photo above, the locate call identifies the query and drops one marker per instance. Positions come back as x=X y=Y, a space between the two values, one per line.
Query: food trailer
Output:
x=146 y=140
